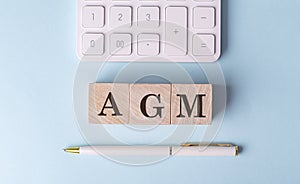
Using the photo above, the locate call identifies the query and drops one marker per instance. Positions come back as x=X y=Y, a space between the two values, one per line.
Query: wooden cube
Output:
x=191 y=104
x=150 y=104
x=108 y=103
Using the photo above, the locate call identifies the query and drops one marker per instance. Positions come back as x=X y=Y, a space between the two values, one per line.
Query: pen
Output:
x=187 y=149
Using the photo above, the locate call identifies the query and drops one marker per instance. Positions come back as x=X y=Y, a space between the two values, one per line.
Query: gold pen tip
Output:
x=75 y=150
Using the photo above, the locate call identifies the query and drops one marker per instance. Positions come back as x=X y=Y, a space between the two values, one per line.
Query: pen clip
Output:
x=203 y=144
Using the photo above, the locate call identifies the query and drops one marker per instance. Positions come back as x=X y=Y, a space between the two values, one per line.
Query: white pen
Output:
x=187 y=149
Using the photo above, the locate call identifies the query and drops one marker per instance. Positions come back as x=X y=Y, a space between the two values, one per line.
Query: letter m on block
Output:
x=198 y=102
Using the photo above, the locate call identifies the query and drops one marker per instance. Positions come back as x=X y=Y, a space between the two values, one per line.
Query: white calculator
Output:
x=149 y=30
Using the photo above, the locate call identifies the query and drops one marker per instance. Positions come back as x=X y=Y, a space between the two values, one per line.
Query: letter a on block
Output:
x=113 y=106
x=191 y=104
x=108 y=103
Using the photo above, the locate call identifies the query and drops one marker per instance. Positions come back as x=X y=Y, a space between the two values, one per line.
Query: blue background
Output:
x=260 y=61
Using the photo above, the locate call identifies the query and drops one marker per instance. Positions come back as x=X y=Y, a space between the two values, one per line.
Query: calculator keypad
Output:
x=149 y=30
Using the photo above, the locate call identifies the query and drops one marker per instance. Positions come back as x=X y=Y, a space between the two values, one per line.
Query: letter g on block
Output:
x=143 y=106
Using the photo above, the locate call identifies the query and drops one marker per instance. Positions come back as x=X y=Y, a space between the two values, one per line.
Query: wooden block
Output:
x=150 y=104
x=191 y=104
x=108 y=103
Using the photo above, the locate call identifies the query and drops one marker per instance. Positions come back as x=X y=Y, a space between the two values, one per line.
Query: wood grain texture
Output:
x=98 y=94
x=157 y=106
x=179 y=111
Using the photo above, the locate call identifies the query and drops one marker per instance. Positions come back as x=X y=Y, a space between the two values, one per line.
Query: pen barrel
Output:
x=160 y=150
x=126 y=150
x=205 y=151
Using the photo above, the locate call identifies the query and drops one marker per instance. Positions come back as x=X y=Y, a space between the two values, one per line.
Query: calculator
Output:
x=149 y=30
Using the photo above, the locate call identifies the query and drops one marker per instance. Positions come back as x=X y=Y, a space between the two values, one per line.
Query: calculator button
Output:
x=204 y=17
x=120 y=44
x=176 y=31
x=203 y=45
x=93 y=44
x=93 y=16
x=148 y=17
x=120 y=16
x=148 y=44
